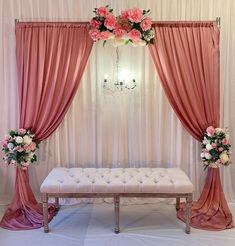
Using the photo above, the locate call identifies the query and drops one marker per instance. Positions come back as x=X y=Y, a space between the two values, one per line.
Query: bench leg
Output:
x=117 y=208
x=45 y=212
x=177 y=205
x=57 y=205
x=188 y=212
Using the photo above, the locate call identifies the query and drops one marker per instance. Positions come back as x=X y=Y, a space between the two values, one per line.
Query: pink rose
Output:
x=119 y=32
x=4 y=144
x=225 y=141
x=110 y=22
x=125 y=14
x=22 y=131
x=105 y=35
x=19 y=148
x=146 y=24
x=32 y=146
x=221 y=149
x=214 y=145
x=135 y=15
x=95 y=23
x=102 y=11
x=210 y=131
x=134 y=35
x=7 y=137
x=95 y=34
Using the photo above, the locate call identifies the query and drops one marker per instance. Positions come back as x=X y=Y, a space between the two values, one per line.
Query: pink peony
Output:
x=210 y=131
x=119 y=32
x=134 y=35
x=135 y=15
x=125 y=14
x=22 y=131
x=95 y=34
x=110 y=22
x=225 y=141
x=95 y=23
x=146 y=24
x=102 y=11
x=104 y=35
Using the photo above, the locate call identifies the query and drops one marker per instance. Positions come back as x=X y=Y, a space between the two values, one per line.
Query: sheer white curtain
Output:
x=112 y=129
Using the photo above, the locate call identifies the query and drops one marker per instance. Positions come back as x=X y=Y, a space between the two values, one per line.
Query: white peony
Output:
x=27 y=140
x=19 y=140
x=208 y=156
x=224 y=157
x=209 y=147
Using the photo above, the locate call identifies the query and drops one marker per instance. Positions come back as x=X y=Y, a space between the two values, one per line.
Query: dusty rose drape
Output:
x=51 y=58
x=186 y=56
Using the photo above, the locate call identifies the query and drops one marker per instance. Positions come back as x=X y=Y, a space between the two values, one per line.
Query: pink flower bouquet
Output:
x=132 y=26
x=19 y=148
x=216 y=147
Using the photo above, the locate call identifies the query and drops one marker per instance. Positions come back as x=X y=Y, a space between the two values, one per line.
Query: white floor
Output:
x=141 y=225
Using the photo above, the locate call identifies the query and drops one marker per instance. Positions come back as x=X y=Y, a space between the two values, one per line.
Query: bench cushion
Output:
x=117 y=180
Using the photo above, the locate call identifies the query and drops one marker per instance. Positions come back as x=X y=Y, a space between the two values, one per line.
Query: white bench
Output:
x=116 y=183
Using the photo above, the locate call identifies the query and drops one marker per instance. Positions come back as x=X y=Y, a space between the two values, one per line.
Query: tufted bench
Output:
x=116 y=183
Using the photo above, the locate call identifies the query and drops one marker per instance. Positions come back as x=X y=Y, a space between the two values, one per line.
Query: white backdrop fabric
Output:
x=112 y=129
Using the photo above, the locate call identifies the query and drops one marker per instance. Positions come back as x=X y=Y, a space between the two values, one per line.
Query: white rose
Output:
x=10 y=146
x=27 y=140
x=202 y=155
x=209 y=147
x=218 y=130
x=19 y=140
x=208 y=156
x=224 y=157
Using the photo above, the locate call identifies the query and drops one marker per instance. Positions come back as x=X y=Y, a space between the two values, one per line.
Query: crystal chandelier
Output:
x=124 y=79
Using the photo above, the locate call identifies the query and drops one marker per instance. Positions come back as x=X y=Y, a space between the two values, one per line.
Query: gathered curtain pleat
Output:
x=186 y=56
x=51 y=58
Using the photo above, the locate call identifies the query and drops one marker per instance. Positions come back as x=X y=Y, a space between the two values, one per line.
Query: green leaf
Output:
x=105 y=41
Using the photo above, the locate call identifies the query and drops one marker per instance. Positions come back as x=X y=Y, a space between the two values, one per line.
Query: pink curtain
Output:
x=51 y=58
x=186 y=56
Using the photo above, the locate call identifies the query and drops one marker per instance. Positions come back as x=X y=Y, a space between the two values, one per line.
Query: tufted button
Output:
x=108 y=182
x=116 y=176
x=71 y=175
x=146 y=175
x=155 y=181
x=88 y=176
x=61 y=181
x=93 y=181
x=140 y=181
x=77 y=181
x=124 y=181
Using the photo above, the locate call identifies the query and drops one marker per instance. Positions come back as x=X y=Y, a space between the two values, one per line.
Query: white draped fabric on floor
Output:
x=141 y=225
x=116 y=129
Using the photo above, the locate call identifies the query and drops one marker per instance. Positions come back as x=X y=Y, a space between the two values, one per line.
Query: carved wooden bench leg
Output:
x=45 y=212
x=188 y=212
x=117 y=208
x=177 y=205
x=57 y=205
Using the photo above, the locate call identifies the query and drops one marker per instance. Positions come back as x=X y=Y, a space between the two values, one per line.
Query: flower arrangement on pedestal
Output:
x=216 y=147
x=132 y=26
x=19 y=148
